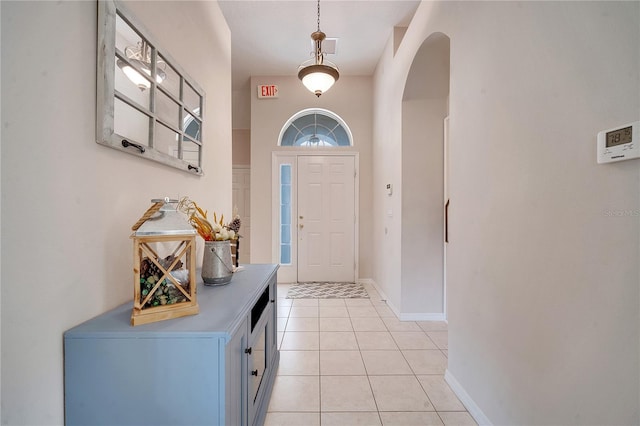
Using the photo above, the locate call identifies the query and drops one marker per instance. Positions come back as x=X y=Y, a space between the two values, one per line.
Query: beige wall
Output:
x=241 y=98
x=542 y=276
x=351 y=99
x=68 y=203
x=241 y=147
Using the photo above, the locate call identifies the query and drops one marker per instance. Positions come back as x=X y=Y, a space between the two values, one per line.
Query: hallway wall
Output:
x=422 y=213
x=68 y=204
x=350 y=98
x=241 y=152
x=543 y=271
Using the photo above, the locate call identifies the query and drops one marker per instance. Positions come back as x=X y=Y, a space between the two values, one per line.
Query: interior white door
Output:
x=326 y=218
x=241 y=196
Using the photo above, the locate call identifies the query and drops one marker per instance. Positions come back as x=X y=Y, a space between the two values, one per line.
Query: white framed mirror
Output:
x=147 y=105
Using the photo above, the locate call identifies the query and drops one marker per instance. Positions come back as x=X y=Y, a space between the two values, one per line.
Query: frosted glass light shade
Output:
x=318 y=78
x=137 y=79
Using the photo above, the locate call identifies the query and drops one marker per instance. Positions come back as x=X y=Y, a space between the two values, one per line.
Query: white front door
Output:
x=326 y=218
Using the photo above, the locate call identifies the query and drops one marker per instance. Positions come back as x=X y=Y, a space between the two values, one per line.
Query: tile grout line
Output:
x=367 y=373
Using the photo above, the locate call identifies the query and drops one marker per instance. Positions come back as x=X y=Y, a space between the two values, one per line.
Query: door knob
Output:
x=301 y=217
x=301 y=226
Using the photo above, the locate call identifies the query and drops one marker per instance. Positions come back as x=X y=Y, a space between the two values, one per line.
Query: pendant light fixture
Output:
x=140 y=56
x=318 y=75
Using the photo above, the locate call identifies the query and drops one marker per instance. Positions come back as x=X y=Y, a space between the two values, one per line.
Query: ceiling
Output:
x=273 y=37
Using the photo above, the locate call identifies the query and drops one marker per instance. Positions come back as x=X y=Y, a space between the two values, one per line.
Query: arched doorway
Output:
x=425 y=106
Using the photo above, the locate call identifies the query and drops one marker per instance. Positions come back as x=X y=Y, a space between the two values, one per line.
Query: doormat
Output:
x=323 y=290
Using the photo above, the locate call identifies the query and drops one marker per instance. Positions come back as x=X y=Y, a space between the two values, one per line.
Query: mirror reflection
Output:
x=191 y=126
x=191 y=100
x=166 y=140
x=167 y=110
x=171 y=84
x=131 y=122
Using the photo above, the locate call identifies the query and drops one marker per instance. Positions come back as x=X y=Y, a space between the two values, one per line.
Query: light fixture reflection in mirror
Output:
x=140 y=55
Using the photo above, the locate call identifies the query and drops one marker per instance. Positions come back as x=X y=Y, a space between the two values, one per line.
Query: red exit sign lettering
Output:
x=267 y=91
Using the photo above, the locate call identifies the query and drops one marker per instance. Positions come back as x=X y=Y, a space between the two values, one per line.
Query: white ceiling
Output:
x=273 y=37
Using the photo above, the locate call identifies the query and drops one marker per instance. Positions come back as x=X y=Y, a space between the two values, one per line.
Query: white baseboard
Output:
x=422 y=317
x=403 y=317
x=468 y=402
x=383 y=296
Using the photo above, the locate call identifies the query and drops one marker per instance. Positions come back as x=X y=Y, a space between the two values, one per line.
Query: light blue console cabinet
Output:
x=214 y=368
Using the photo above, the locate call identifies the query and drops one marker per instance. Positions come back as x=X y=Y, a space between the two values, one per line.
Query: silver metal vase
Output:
x=217 y=268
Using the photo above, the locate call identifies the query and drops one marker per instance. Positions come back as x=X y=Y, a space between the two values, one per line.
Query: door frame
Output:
x=289 y=273
x=245 y=246
x=446 y=205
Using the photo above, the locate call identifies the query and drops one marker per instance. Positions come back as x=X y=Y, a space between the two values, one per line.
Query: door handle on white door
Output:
x=301 y=226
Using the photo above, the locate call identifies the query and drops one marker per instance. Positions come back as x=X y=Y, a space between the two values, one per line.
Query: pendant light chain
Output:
x=318 y=76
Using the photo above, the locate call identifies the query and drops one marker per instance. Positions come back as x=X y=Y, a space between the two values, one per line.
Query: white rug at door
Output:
x=322 y=290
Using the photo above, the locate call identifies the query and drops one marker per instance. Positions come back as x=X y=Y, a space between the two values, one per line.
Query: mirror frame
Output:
x=107 y=94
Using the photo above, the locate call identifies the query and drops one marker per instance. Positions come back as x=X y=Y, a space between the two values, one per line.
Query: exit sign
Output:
x=267 y=91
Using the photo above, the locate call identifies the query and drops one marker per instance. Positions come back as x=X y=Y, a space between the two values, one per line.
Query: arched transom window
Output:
x=315 y=127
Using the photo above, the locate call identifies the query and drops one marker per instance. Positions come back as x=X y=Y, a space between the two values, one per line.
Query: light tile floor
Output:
x=352 y=362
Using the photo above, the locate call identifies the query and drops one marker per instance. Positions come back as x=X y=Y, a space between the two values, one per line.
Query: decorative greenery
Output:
x=166 y=293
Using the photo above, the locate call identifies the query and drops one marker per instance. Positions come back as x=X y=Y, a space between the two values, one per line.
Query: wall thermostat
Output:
x=619 y=143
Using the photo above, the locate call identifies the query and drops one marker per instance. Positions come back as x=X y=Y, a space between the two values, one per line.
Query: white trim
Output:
x=446 y=199
x=418 y=316
x=343 y=151
x=466 y=400
x=384 y=297
x=245 y=249
x=356 y=211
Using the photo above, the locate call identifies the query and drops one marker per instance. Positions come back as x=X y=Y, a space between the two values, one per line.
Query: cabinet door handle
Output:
x=247 y=351
x=254 y=373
